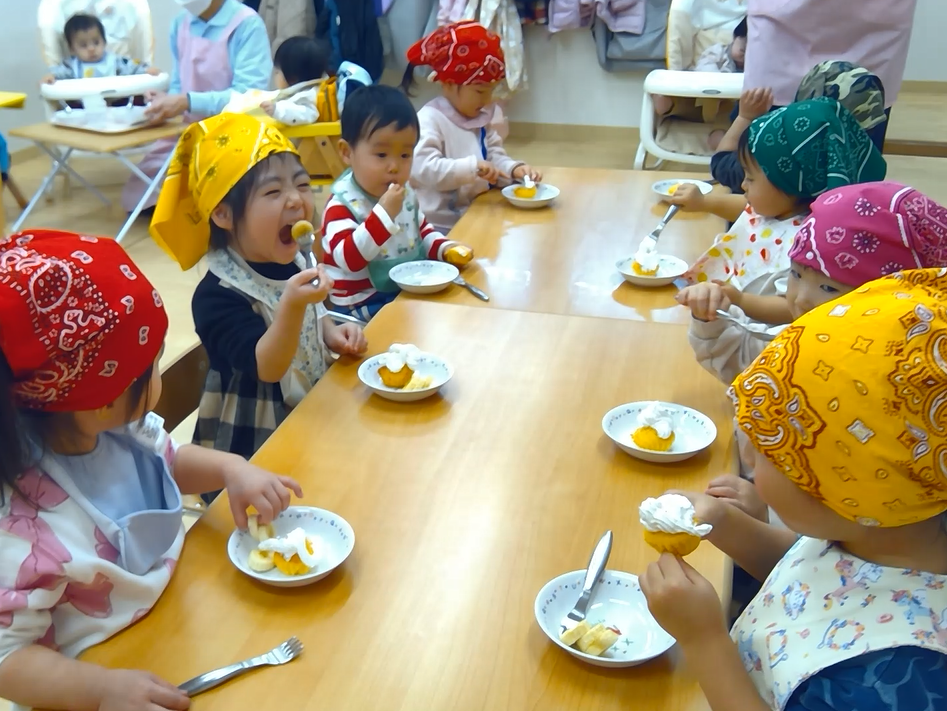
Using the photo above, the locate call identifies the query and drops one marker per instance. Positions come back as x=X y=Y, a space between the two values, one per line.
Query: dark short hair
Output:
x=82 y=23
x=239 y=197
x=740 y=30
x=302 y=59
x=371 y=108
x=744 y=153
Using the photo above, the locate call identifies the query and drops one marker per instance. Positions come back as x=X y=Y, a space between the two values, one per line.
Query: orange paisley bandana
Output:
x=850 y=401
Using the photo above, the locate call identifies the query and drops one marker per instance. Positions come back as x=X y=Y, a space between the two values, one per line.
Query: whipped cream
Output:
x=294 y=543
x=671 y=513
x=528 y=182
x=646 y=257
x=401 y=354
x=658 y=417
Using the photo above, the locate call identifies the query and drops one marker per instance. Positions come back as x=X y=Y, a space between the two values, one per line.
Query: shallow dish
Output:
x=423 y=277
x=693 y=431
x=663 y=187
x=428 y=364
x=669 y=269
x=545 y=195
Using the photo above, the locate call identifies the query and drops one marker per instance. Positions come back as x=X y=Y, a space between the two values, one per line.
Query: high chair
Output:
x=693 y=26
x=182 y=384
x=128 y=30
x=318 y=146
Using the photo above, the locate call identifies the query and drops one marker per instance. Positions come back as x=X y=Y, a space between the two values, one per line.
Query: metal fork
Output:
x=283 y=654
x=760 y=335
x=596 y=567
x=651 y=241
x=479 y=293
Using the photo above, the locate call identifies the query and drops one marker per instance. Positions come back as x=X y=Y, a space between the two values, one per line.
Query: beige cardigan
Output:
x=287 y=18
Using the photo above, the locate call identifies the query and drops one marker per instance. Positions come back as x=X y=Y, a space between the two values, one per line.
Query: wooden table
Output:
x=562 y=260
x=463 y=506
x=59 y=143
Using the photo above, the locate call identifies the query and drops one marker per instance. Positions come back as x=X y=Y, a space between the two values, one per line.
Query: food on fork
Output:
x=598 y=640
x=655 y=429
x=401 y=360
x=670 y=524
x=301 y=229
x=292 y=554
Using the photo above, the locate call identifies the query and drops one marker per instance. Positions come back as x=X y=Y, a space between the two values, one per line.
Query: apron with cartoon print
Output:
x=821 y=606
x=403 y=246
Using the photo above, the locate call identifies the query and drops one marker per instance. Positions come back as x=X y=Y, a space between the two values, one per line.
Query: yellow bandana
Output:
x=209 y=160
x=850 y=401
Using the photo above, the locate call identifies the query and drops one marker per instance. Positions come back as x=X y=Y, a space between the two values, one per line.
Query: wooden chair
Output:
x=318 y=146
x=181 y=388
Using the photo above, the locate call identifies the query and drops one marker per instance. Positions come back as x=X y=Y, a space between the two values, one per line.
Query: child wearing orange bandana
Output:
x=460 y=153
x=90 y=483
x=846 y=412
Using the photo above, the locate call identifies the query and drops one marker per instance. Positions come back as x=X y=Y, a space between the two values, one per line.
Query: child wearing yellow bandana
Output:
x=234 y=190
x=846 y=411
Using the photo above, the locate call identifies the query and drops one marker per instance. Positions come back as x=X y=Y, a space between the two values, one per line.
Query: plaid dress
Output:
x=238 y=411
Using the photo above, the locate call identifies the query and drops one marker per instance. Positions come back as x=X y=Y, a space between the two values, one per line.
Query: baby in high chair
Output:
x=85 y=37
x=460 y=153
x=91 y=524
x=300 y=60
x=373 y=222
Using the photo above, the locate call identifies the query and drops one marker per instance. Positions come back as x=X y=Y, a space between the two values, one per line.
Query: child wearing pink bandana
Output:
x=853 y=235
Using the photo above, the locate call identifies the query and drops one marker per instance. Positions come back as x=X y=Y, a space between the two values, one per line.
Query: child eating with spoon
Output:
x=844 y=411
x=373 y=221
x=234 y=192
x=460 y=154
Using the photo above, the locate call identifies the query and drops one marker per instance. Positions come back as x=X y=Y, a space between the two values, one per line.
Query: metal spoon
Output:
x=760 y=335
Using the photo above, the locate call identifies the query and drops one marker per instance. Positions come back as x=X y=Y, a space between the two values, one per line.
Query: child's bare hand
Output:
x=740 y=493
x=488 y=171
x=755 y=102
x=248 y=486
x=393 y=200
x=300 y=292
x=521 y=171
x=153 y=71
x=131 y=690
x=269 y=108
x=49 y=79
x=689 y=197
x=706 y=298
x=346 y=339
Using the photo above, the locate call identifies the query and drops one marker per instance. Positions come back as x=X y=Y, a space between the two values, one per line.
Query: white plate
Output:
x=663 y=187
x=693 y=431
x=428 y=364
x=335 y=532
x=669 y=269
x=424 y=277
x=545 y=194
x=617 y=602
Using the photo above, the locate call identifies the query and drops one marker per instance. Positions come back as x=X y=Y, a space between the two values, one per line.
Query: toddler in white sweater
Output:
x=460 y=153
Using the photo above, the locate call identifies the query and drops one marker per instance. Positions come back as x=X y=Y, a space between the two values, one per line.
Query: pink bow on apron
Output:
x=203 y=65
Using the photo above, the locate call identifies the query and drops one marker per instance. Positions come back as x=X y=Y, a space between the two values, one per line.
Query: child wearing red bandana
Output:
x=90 y=483
x=460 y=153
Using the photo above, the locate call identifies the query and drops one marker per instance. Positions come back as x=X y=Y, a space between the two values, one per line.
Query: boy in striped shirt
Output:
x=373 y=222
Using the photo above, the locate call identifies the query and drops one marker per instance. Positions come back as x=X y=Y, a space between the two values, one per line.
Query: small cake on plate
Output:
x=292 y=554
x=527 y=190
x=670 y=524
x=400 y=364
x=646 y=262
x=655 y=430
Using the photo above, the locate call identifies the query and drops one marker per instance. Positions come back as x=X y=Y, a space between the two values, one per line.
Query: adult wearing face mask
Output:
x=217 y=46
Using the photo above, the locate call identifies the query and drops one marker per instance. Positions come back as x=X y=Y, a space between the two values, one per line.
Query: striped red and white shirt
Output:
x=349 y=246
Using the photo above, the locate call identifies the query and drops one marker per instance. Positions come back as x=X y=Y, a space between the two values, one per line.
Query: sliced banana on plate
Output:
x=259 y=532
x=260 y=561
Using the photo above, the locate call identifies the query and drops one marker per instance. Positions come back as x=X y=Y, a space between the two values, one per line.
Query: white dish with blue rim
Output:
x=423 y=277
x=618 y=602
x=669 y=269
x=693 y=431
x=545 y=195
x=667 y=188
x=336 y=534
x=428 y=365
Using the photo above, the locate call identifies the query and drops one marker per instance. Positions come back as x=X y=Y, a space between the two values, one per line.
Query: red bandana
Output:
x=463 y=53
x=79 y=322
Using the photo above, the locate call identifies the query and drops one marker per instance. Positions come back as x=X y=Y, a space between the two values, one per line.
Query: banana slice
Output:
x=260 y=561
x=259 y=532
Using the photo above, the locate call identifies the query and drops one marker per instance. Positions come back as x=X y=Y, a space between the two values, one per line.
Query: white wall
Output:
x=566 y=84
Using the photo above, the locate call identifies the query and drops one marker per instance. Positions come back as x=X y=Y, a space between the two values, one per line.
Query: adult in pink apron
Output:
x=203 y=65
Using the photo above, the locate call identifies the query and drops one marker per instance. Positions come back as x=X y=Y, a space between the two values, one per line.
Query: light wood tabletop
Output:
x=90 y=141
x=463 y=505
x=562 y=259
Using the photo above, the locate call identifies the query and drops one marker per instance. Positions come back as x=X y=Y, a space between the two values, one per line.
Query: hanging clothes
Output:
x=286 y=18
x=352 y=29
